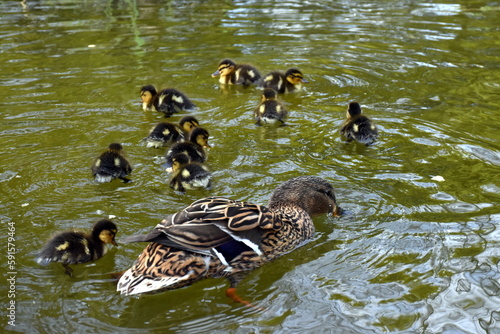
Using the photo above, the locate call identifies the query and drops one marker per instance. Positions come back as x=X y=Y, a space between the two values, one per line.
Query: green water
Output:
x=411 y=255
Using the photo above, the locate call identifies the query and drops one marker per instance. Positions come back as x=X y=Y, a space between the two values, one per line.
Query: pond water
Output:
x=411 y=255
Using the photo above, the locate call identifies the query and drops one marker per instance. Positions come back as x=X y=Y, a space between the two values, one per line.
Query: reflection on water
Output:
x=418 y=250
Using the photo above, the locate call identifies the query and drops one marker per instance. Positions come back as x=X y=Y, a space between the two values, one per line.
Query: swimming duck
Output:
x=358 y=126
x=188 y=175
x=73 y=247
x=167 y=101
x=217 y=236
x=290 y=81
x=270 y=110
x=111 y=164
x=166 y=133
x=194 y=148
x=238 y=74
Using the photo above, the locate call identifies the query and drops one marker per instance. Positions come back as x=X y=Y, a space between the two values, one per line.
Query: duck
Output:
x=288 y=82
x=167 y=133
x=194 y=148
x=188 y=175
x=111 y=164
x=358 y=126
x=270 y=109
x=237 y=74
x=220 y=237
x=167 y=101
x=73 y=247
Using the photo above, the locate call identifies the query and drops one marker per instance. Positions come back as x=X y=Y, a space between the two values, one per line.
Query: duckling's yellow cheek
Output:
x=63 y=246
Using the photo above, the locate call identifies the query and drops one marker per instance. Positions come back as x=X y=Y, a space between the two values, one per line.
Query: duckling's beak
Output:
x=113 y=242
x=216 y=73
x=337 y=211
x=207 y=145
x=304 y=80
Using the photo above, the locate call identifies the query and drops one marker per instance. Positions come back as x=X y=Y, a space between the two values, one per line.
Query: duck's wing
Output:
x=211 y=222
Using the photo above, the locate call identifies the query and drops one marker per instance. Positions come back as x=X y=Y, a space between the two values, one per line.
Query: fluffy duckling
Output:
x=111 y=164
x=194 y=148
x=290 y=81
x=188 y=175
x=237 y=74
x=74 y=247
x=217 y=237
x=358 y=126
x=270 y=109
x=167 y=101
x=166 y=133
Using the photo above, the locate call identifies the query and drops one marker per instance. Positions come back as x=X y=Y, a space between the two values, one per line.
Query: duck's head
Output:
x=188 y=123
x=353 y=109
x=294 y=76
x=200 y=136
x=226 y=67
x=105 y=230
x=311 y=193
x=115 y=147
x=178 y=160
x=147 y=94
x=268 y=94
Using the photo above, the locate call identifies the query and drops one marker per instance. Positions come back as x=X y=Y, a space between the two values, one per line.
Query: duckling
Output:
x=290 y=81
x=188 y=175
x=111 y=164
x=358 y=126
x=237 y=74
x=167 y=101
x=166 y=133
x=73 y=247
x=194 y=148
x=217 y=237
x=270 y=109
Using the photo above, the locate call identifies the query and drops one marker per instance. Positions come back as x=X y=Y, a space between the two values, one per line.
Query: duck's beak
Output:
x=216 y=73
x=114 y=242
x=304 y=80
x=337 y=211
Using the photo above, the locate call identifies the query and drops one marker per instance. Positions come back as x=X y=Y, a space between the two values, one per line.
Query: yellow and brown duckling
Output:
x=167 y=133
x=189 y=175
x=288 y=82
x=270 y=109
x=167 y=101
x=111 y=164
x=194 y=148
x=73 y=247
x=357 y=126
x=217 y=237
x=237 y=74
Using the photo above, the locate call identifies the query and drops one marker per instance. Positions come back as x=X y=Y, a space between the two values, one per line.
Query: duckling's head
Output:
x=226 y=66
x=268 y=94
x=178 y=160
x=105 y=230
x=294 y=76
x=311 y=193
x=115 y=147
x=188 y=123
x=147 y=93
x=200 y=136
x=353 y=109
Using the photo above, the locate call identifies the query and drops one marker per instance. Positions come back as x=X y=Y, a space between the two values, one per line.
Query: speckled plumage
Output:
x=270 y=109
x=189 y=175
x=216 y=236
x=357 y=126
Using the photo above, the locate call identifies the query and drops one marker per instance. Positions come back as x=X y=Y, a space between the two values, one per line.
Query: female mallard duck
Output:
x=288 y=82
x=166 y=133
x=194 y=148
x=74 y=247
x=167 y=101
x=270 y=110
x=216 y=236
x=358 y=126
x=237 y=74
x=188 y=175
x=111 y=164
